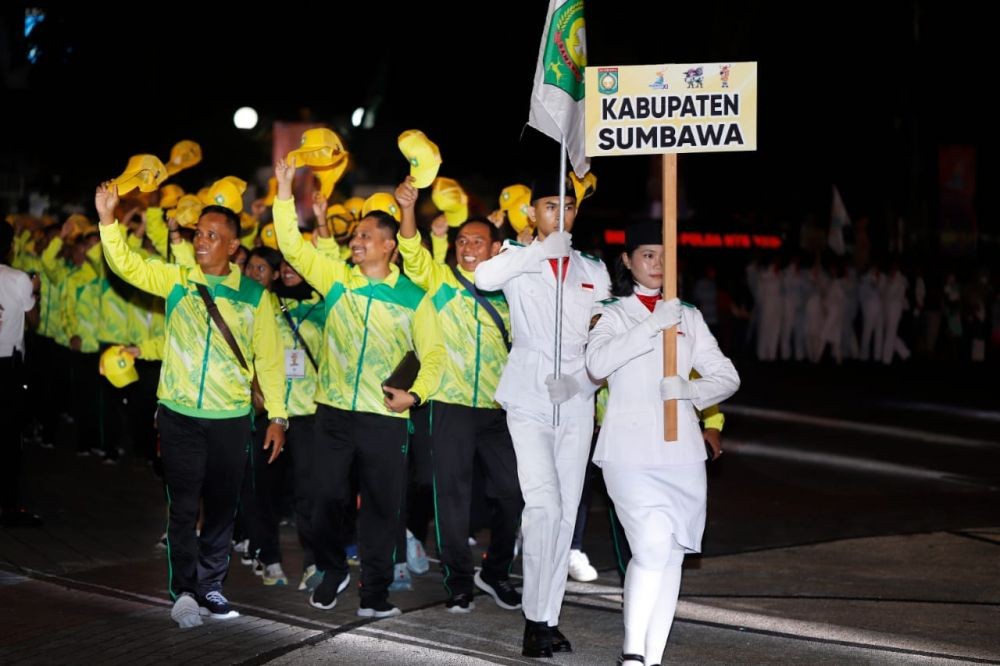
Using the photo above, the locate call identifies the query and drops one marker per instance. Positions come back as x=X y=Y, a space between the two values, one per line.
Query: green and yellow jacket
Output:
x=201 y=376
x=476 y=350
x=370 y=324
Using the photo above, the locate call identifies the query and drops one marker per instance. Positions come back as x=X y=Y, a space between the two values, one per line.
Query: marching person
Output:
x=658 y=487
x=205 y=409
x=467 y=422
x=374 y=317
x=551 y=460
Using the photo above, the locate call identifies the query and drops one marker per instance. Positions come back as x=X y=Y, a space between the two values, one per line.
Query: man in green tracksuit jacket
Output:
x=205 y=410
x=466 y=422
x=374 y=316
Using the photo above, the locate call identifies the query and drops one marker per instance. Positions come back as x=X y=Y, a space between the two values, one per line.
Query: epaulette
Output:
x=609 y=301
x=591 y=257
x=689 y=305
x=514 y=242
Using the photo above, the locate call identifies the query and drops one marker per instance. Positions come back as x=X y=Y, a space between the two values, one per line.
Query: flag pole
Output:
x=557 y=370
x=670 y=286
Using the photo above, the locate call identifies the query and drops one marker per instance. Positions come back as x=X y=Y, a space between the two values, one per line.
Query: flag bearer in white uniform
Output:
x=551 y=461
x=658 y=487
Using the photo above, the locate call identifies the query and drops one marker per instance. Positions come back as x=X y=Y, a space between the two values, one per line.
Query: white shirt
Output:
x=529 y=284
x=16 y=298
x=632 y=360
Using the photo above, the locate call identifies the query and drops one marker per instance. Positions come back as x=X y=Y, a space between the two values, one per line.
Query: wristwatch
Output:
x=280 y=421
x=416 y=400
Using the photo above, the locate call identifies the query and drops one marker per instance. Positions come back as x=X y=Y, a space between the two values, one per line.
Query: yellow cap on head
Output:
x=384 y=202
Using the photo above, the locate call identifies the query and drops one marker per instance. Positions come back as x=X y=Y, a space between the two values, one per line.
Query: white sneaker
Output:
x=185 y=612
x=274 y=575
x=241 y=547
x=580 y=568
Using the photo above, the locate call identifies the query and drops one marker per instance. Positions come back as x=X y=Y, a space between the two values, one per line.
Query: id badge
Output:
x=295 y=363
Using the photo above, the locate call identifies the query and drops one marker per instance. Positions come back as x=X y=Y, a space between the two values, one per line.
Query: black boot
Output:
x=537 y=640
x=559 y=642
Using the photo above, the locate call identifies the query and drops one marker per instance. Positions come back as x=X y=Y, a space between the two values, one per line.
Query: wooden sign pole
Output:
x=670 y=286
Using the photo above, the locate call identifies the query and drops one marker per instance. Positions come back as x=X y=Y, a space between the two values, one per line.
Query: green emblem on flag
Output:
x=566 y=50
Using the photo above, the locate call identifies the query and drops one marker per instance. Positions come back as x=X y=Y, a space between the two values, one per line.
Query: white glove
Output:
x=562 y=389
x=557 y=244
x=664 y=315
x=677 y=388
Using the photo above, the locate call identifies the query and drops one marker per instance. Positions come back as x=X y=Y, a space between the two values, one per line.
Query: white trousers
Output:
x=551 y=463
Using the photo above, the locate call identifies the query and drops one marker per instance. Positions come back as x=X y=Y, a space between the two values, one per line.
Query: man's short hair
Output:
x=387 y=223
x=495 y=236
x=228 y=213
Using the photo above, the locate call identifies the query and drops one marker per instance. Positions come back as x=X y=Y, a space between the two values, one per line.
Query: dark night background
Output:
x=859 y=95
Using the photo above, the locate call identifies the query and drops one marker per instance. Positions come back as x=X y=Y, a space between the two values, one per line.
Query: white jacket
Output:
x=623 y=351
x=529 y=285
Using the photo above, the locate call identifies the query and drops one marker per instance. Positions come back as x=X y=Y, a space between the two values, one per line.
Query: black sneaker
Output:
x=502 y=590
x=216 y=605
x=324 y=596
x=378 y=609
x=460 y=603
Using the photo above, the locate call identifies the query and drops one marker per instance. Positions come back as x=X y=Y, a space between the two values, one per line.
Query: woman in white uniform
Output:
x=658 y=487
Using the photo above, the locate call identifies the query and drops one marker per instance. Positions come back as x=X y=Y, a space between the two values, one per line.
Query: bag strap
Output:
x=484 y=304
x=213 y=311
x=298 y=336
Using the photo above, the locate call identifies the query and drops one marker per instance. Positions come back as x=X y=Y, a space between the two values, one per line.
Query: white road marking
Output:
x=761 y=450
x=858 y=426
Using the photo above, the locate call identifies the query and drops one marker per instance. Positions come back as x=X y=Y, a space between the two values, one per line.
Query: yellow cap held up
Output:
x=184 y=155
x=451 y=200
x=512 y=193
x=320 y=147
x=145 y=172
x=423 y=156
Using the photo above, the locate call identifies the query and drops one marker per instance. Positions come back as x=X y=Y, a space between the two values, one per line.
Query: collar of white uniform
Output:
x=645 y=291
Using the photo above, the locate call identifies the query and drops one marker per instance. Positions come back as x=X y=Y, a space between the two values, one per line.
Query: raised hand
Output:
x=406 y=194
x=106 y=200
x=285 y=174
x=320 y=206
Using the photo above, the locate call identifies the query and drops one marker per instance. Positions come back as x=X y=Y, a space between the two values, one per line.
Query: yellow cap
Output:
x=184 y=155
x=187 y=211
x=272 y=191
x=80 y=225
x=423 y=156
x=203 y=196
x=518 y=213
x=228 y=192
x=143 y=171
x=511 y=193
x=451 y=200
x=584 y=187
x=170 y=194
x=340 y=220
x=267 y=236
x=384 y=202
x=328 y=176
x=118 y=366
x=319 y=147
x=354 y=206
